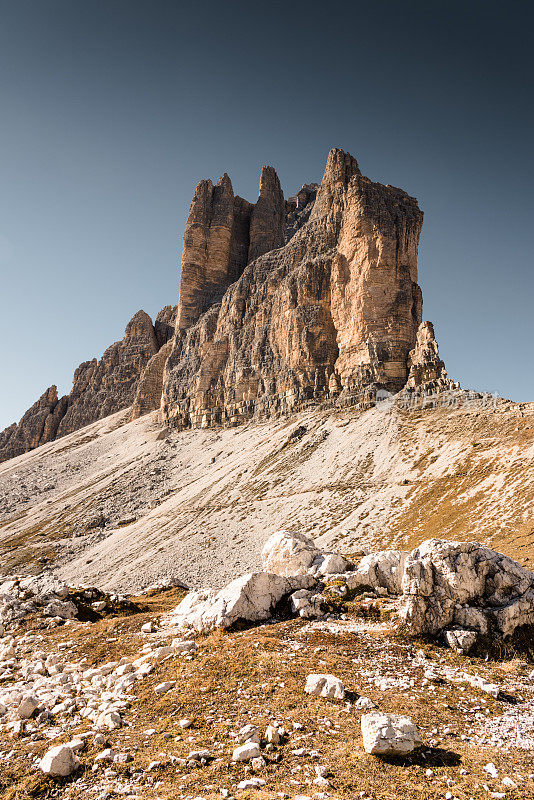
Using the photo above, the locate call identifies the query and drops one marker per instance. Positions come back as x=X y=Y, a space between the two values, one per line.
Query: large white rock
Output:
x=466 y=585
x=59 y=761
x=250 y=598
x=329 y=564
x=381 y=570
x=288 y=553
x=291 y=553
x=389 y=734
x=45 y=584
x=326 y=686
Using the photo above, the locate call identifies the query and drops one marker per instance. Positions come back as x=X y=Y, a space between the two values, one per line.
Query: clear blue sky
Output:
x=112 y=110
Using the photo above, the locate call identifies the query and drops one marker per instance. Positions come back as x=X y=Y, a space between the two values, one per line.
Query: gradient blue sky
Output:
x=111 y=111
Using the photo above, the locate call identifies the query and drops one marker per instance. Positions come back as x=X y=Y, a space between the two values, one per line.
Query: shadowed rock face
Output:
x=103 y=387
x=223 y=234
x=99 y=388
x=333 y=312
x=150 y=384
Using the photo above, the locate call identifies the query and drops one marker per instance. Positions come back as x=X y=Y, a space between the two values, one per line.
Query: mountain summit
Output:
x=283 y=304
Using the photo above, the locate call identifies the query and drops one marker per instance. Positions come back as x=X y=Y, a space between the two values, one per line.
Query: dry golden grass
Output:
x=258 y=676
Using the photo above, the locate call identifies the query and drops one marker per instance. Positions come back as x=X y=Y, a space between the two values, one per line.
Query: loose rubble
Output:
x=92 y=710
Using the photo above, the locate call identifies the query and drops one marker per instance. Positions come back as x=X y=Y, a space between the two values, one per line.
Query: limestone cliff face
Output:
x=268 y=216
x=282 y=303
x=150 y=384
x=332 y=314
x=103 y=387
x=222 y=235
x=99 y=387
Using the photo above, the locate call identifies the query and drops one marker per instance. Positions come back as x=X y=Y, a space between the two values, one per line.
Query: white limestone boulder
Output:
x=288 y=553
x=329 y=564
x=326 y=686
x=27 y=706
x=110 y=720
x=467 y=585
x=381 y=570
x=250 y=598
x=44 y=584
x=59 y=761
x=389 y=734
x=246 y=752
x=292 y=553
x=61 y=608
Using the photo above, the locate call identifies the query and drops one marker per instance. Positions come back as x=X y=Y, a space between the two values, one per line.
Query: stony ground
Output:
x=121 y=505
x=474 y=745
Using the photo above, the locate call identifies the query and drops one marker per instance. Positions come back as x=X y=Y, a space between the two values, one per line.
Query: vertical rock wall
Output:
x=328 y=315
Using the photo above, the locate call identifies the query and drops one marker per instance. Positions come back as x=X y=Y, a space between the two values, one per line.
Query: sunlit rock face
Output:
x=332 y=314
x=282 y=303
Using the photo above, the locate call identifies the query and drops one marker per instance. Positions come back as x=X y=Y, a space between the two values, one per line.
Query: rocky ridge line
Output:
x=128 y=372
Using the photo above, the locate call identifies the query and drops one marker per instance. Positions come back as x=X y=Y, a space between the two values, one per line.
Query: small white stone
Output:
x=110 y=720
x=27 y=706
x=272 y=735
x=252 y=783
x=105 y=755
x=249 y=733
x=389 y=734
x=164 y=687
x=325 y=685
x=59 y=761
x=246 y=752
x=199 y=755
x=364 y=703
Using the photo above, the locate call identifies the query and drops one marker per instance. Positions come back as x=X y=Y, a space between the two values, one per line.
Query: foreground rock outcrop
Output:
x=465 y=585
x=251 y=598
x=83 y=713
x=389 y=734
x=459 y=590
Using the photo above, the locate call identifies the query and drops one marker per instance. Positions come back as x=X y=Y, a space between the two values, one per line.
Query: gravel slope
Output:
x=120 y=505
